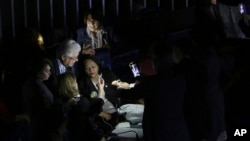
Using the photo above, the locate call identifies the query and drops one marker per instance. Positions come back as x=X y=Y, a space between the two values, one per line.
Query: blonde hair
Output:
x=67 y=86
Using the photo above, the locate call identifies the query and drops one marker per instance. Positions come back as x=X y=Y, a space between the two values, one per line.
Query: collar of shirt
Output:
x=62 y=68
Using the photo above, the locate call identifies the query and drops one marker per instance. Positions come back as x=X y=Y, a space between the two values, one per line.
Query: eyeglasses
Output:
x=73 y=58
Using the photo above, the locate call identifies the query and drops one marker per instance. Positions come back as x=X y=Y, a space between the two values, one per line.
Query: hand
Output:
x=101 y=83
x=105 y=115
x=86 y=45
x=88 y=51
x=101 y=92
x=120 y=84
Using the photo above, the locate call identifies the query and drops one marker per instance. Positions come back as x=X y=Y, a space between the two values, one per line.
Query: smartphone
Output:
x=134 y=69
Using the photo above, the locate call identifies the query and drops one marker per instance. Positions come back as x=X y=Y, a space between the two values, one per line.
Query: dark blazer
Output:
x=87 y=87
x=38 y=102
x=102 y=54
x=83 y=37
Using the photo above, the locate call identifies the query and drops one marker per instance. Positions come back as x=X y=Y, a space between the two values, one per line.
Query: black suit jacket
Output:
x=87 y=87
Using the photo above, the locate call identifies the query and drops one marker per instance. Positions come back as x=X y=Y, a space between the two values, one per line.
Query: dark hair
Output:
x=39 y=64
x=96 y=15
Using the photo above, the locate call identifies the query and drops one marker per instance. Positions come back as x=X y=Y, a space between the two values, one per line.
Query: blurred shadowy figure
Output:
x=163 y=93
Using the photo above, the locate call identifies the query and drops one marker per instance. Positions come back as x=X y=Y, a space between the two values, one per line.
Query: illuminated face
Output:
x=45 y=73
x=91 y=68
x=69 y=61
x=92 y=25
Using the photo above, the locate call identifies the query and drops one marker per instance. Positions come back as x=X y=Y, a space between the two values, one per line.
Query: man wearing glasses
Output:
x=64 y=60
x=66 y=57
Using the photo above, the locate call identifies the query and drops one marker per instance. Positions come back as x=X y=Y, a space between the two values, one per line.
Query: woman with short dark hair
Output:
x=94 y=38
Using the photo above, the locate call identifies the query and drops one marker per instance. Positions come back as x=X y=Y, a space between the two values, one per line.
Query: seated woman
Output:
x=94 y=38
x=38 y=99
x=89 y=84
x=76 y=110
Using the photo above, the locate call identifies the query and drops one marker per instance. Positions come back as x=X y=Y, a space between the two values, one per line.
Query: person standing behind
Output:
x=94 y=38
x=186 y=63
x=163 y=93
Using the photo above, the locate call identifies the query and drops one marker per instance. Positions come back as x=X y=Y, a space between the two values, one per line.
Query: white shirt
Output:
x=62 y=68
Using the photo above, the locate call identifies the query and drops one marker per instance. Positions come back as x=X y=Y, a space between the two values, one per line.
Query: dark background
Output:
x=47 y=15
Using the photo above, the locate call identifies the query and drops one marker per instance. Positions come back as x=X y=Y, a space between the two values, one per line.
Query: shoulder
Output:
x=81 y=30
